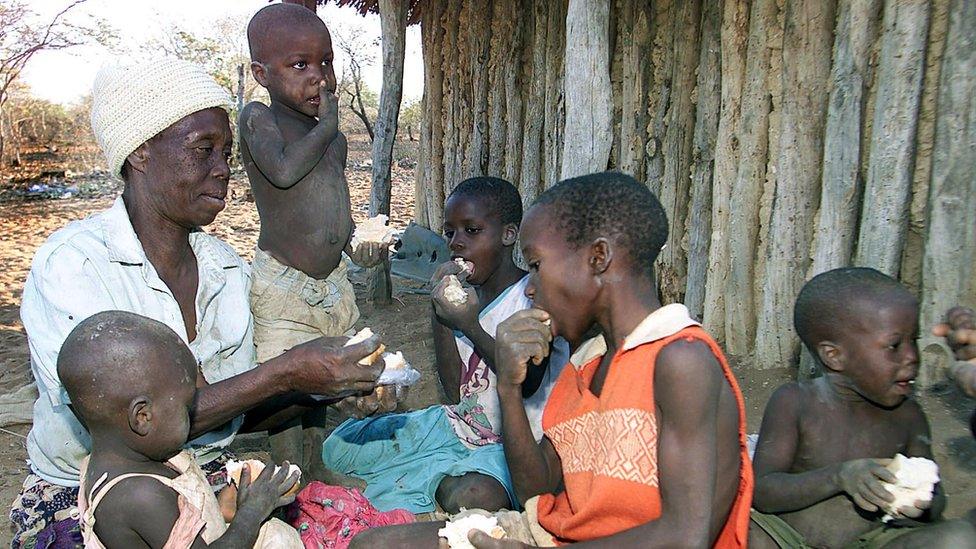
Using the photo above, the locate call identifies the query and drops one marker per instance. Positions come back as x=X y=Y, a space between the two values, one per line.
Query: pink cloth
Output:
x=328 y=517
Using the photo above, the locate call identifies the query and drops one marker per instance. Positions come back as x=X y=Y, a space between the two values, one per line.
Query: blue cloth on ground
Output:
x=404 y=457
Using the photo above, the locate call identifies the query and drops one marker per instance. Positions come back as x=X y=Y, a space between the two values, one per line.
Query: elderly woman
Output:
x=164 y=130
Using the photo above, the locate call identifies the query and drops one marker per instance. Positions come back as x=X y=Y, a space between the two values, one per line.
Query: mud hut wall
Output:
x=725 y=110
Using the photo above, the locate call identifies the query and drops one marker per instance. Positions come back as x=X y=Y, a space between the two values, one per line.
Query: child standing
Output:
x=131 y=382
x=450 y=454
x=295 y=157
x=824 y=444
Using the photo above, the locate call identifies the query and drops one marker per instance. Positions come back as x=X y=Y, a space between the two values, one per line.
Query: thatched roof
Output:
x=372 y=6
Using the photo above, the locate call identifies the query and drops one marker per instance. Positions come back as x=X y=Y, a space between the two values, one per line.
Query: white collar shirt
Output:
x=98 y=264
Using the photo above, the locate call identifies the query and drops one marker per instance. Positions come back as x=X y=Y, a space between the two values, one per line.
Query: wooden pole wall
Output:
x=784 y=137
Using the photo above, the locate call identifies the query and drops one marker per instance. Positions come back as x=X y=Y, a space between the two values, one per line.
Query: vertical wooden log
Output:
x=751 y=174
x=531 y=180
x=393 y=29
x=806 y=72
x=735 y=34
x=516 y=88
x=588 y=126
x=503 y=17
x=636 y=82
x=464 y=101
x=552 y=128
x=840 y=195
x=662 y=59
x=950 y=247
x=913 y=252
x=888 y=186
x=699 y=221
x=672 y=263
x=479 y=42
x=621 y=36
x=452 y=95
x=432 y=38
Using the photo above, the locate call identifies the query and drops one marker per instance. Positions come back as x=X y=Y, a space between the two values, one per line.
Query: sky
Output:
x=66 y=76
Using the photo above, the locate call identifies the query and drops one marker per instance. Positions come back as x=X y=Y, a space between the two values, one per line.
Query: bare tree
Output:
x=21 y=37
x=359 y=51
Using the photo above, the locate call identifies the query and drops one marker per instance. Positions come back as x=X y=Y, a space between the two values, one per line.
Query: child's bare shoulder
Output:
x=137 y=506
x=254 y=117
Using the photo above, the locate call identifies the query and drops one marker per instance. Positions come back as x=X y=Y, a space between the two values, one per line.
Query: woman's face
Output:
x=186 y=170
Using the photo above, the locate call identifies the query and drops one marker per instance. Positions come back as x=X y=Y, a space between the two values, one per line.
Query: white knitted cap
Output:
x=132 y=103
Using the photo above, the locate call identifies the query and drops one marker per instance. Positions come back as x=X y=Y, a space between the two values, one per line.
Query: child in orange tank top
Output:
x=645 y=430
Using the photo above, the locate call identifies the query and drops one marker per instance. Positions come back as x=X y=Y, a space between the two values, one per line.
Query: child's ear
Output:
x=509 y=234
x=140 y=415
x=257 y=70
x=831 y=356
x=137 y=159
x=601 y=255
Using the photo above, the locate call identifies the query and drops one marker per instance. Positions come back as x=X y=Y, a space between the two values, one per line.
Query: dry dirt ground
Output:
x=24 y=225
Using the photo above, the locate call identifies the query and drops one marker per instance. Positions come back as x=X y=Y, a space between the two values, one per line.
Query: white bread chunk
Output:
x=373 y=229
x=917 y=478
x=466 y=266
x=363 y=335
x=456 y=531
x=454 y=292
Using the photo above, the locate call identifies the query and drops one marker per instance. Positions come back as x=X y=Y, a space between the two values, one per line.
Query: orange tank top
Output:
x=608 y=448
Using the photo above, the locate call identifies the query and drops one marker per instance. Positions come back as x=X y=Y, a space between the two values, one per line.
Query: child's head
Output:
x=862 y=325
x=481 y=223
x=584 y=234
x=131 y=381
x=291 y=52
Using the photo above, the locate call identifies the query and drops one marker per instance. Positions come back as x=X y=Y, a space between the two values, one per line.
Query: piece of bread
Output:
x=456 y=531
x=453 y=292
x=363 y=335
x=917 y=478
x=373 y=229
x=466 y=266
x=394 y=361
x=236 y=468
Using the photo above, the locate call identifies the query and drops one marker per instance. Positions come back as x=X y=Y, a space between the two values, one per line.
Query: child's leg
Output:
x=419 y=535
x=950 y=534
x=471 y=491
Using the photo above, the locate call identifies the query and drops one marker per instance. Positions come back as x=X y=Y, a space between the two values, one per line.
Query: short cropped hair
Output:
x=828 y=299
x=500 y=197
x=611 y=205
x=274 y=19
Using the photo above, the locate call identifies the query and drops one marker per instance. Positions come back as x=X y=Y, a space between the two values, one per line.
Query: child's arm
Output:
x=523 y=338
x=285 y=165
x=780 y=491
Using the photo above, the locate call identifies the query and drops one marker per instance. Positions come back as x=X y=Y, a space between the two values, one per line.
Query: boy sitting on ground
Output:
x=823 y=446
x=645 y=442
x=295 y=157
x=450 y=454
x=131 y=382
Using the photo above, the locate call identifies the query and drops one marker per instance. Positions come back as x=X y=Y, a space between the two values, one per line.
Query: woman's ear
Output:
x=601 y=255
x=140 y=415
x=831 y=356
x=138 y=158
x=259 y=73
x=509 y=234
